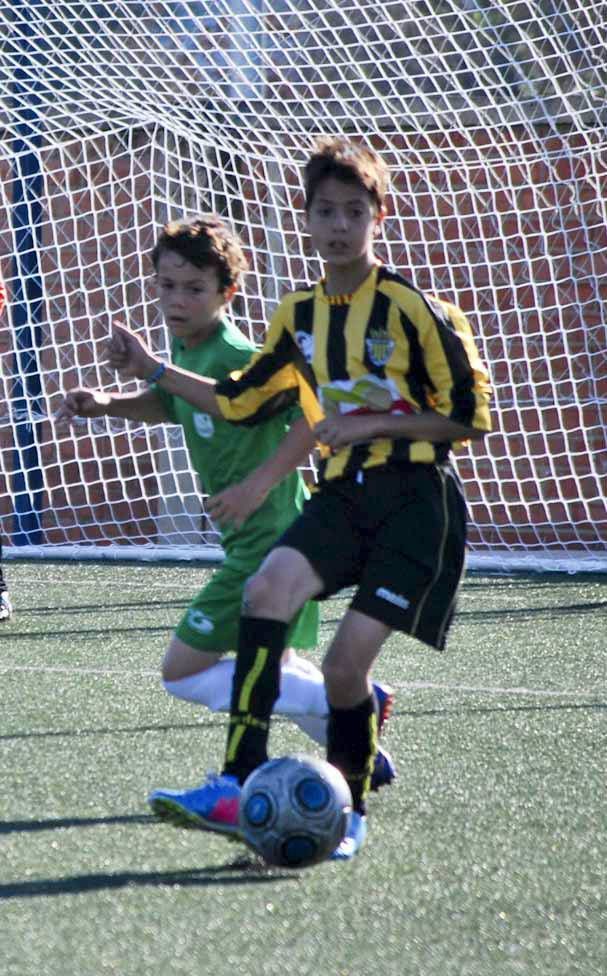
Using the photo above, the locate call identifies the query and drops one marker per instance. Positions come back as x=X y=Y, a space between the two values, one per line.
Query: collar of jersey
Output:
x=369 y=282
x=219 y=332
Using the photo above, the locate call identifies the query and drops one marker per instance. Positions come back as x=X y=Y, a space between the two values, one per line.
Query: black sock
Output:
x=351 y=746
x=255 y=688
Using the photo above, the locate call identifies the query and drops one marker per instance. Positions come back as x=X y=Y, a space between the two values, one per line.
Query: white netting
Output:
x=119 y=115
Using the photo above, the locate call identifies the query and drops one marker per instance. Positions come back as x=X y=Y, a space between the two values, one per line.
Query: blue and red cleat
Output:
x=384 y=770
x=384 y=698
x=212 y=806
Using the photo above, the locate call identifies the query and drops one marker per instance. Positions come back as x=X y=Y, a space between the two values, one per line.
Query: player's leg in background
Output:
x=6 y=608
x=205 y=678
x=254 y=691
x=195 y=669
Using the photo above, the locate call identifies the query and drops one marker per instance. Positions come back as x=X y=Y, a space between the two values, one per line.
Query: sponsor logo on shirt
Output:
x=365 y=394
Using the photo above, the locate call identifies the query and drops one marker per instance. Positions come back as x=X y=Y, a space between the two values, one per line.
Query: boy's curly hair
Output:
x=350 y=162
x=206 y=242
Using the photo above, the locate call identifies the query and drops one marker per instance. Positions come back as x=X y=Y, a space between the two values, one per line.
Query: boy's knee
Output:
x=171 y=670
x=280 y=587
x=181 y=661
x=259 y=595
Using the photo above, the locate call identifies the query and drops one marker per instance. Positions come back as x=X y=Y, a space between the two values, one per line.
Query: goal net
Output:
x=117 y=116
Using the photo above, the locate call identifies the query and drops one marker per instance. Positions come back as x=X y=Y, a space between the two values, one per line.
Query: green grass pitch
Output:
x=487 y=857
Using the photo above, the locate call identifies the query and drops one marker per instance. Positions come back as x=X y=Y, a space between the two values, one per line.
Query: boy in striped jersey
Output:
x=389 y=379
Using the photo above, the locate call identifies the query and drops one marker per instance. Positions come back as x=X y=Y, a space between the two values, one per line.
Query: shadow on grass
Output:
x=209 y=722
x=83 y=633
x=31 y=826
x=496 y=709
x=243 y=870
x=517 y=614
x=93 y=633
x=105 y=730
x=113 y=607
x=526 y=581
x=520 y=614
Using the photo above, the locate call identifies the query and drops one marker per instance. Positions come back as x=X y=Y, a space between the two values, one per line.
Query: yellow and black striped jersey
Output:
x=387 y=347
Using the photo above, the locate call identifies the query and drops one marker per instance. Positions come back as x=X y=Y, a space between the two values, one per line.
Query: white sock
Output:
x=302 y=690
x=212 y=687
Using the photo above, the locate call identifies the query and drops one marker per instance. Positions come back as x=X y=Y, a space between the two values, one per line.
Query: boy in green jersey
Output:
x=250 y=473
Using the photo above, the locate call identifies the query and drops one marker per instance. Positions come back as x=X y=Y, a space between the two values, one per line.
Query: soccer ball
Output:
x=294 y=810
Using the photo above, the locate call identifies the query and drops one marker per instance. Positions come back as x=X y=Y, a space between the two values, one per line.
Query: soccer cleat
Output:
x=384 y=770
x=6 y=607
x=384 y=696
x=353 y=840
x=212 y=806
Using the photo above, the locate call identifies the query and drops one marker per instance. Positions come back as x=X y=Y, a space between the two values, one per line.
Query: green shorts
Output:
x=212 y=619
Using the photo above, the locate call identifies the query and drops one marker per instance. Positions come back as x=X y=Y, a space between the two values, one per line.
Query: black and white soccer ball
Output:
x=294 y=810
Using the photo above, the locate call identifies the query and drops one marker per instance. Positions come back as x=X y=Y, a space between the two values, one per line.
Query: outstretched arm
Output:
x=236 y=503
x=145 y=406
x=129 y=354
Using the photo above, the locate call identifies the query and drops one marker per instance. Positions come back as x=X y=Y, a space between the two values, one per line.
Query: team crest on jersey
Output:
x=305 y=343
x=379 y=346
x=203 y=422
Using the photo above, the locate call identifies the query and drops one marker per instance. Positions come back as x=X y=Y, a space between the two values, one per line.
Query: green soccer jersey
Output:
x=223 y=453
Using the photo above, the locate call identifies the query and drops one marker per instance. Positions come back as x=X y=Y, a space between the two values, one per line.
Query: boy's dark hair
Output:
x=205 y=242
x=349 y=162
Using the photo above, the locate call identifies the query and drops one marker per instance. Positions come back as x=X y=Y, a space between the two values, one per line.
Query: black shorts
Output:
x=398 y=534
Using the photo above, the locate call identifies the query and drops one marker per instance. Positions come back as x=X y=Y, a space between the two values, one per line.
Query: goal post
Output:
x=492 y=119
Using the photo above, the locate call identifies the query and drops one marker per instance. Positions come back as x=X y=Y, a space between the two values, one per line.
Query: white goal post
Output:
x=116 y=116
